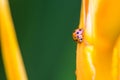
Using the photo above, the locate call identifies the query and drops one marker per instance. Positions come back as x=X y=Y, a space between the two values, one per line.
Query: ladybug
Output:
x=78 y=35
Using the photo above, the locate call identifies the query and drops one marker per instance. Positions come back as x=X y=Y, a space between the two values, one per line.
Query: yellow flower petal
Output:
x=12 y=59
x=101 y=22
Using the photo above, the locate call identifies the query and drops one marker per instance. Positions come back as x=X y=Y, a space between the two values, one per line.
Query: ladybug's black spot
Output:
x=77 y=36
x=79 y=29
x=77 y=32
x=76 y=40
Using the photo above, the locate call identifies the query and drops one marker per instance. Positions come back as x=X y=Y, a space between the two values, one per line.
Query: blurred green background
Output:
x=44 y=29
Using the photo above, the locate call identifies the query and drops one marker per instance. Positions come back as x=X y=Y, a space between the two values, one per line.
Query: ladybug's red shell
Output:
x=78 y=35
